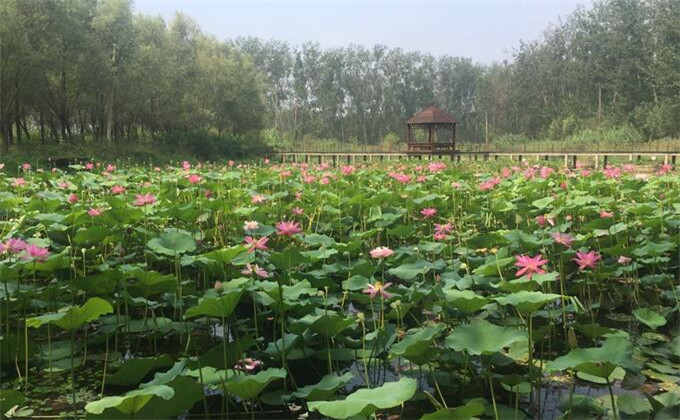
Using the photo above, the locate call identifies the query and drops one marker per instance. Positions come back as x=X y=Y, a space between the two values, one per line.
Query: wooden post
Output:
x=606 y=159
x=320 y=159
x=673 y=160
x=519 y=158
x=639 y=159
x=307 y=159
x=665 y=159
x=573 y=161
x=335 y=160
x=566 y=161
x=597 y=161
x=458 y=158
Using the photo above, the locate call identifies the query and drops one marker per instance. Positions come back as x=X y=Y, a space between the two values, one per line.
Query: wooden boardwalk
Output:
x=570 y=159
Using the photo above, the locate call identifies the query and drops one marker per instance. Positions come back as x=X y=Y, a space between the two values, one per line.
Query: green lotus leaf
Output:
x=650 y=318
x=365 y=402
x=464 y=412
x=492 y=268
x=481 y=337
x=543 y=202
x=290 y=257
x=527 y=302
x=410 y=271
x=218 y=307
x=92 y=235
x=416 y=346
x=75 y=316
x=323 y=389
x=149 y=283
x=633 y=404
x=466 y=301
x=316 y=239
x=225 y=255
x=249 y=386
x=172 y=242
x=134 y=370
x=131 y=402
x=596 y=361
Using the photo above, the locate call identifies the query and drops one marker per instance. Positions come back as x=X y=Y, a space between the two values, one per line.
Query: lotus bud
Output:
x=361 y=317
x=571 y=338
x=218 y=286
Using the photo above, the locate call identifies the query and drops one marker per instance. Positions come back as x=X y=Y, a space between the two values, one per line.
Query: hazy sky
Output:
x=483 y=30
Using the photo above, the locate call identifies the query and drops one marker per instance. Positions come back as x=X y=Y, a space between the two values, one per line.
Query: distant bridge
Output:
x=570 y=159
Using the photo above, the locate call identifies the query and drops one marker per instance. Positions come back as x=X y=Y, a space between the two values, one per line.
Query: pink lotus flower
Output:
x=143 y=200
x=439 y=236
x=89 y=166
x=325 y=181
x=348 y=170
x=606 y=214
x=308 y=179
x=18 y=182
x=530 y=265
x=117 y=189
x=542 y=220
x=230 y=163
x=381 y=252
x=428 y=212
x=72 y=198
x=15 y=245
x=585 y=173
x=35 y=253
x=63 y=185
x=563 y=185
x=372 y=290
x=186 y=165
x=255 y=244
x=297 y=211
x=298 y=195
x=288 y=228
x=446 y=228
x=455 y=185
x=436 y=167
x=255 y=269
x=586 y=259
x=563 y=239
x=110 y=168
x=612 y=172
x=258 y=199
x=489 y=185
x=94 y=212
x=248 y=364
x=250 y=225
x=623 y=260
x=665 y=168
x=194 y=179
x=26 y=166
x=506 y=173
x=546 y=171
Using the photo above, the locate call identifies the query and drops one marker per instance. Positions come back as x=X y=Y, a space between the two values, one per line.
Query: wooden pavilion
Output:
x=432 y=120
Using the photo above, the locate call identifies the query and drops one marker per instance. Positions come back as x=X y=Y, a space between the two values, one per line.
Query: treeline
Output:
x=614 y=66
x=94 y=70
x=89 y=69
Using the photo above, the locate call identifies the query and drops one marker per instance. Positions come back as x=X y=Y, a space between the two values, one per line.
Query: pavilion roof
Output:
x=432 y=115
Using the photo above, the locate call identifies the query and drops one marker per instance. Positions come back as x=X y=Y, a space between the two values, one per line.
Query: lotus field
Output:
x=386 y=290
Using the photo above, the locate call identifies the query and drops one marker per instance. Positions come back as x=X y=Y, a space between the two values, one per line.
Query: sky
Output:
x=484 y=30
